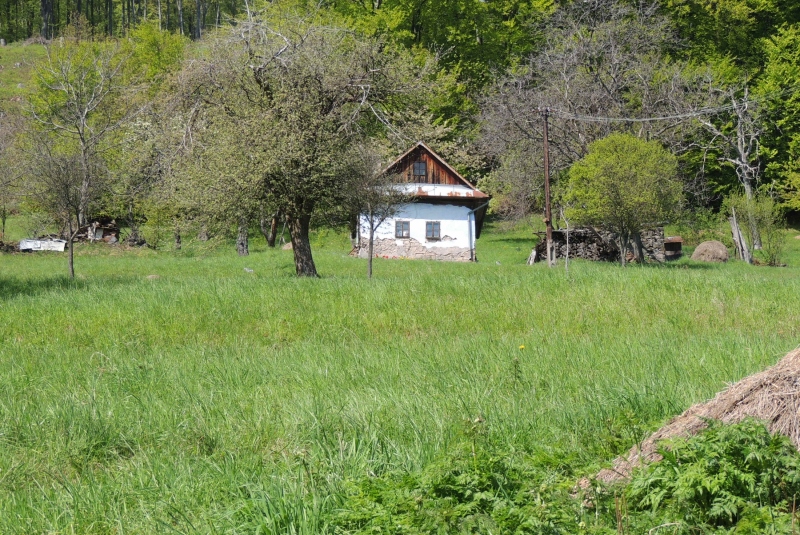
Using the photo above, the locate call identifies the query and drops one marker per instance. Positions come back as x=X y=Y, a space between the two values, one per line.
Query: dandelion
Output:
x=522 y=347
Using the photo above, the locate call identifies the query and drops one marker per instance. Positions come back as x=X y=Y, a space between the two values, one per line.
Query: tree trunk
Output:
x=71 y=254
x=47 y=18
x=262 y=225
x=301 y=246
x=177 y=238
x=85 y=183
x=110 y=15
x=134 y=236
x=180 y=16
x=199 y=19
x=353 y=223
x=273 y=230
x=638 y=247
x=270 y=231
x=203 y=235
x=742 y=252
x=622 y=242
x=242 y=245
x=370 y=246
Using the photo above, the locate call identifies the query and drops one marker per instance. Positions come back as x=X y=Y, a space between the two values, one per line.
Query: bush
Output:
x=468 y=492
x=763 y=217
x=723 y=476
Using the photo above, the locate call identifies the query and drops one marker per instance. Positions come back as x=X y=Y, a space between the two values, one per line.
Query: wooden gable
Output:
x=436 y=171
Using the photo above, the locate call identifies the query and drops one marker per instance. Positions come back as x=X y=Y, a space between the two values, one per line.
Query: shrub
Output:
x=724 y=475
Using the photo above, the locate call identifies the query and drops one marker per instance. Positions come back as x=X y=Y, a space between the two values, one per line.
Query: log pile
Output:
x=600 y=245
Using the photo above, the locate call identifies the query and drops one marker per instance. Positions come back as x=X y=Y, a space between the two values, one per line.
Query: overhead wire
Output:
x=687 y=115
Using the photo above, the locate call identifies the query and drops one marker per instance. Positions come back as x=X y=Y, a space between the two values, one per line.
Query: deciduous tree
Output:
x=81 y=99
x=624 y=184
x=290 y=99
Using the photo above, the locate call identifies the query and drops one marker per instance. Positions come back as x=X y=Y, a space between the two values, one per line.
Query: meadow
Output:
x=176 y=392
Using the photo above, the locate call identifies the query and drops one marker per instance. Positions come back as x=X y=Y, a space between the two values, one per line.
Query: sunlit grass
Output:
x=168 y=391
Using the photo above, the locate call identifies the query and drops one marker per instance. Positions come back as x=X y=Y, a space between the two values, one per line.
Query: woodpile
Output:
x=600 y=245
x=9 y=247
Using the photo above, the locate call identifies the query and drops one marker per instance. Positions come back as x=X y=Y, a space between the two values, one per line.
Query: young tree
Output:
x=291 y=99
x=81 y=99
x=375 y=195
x=624 y=185
x=9 y=168
x=58 y=189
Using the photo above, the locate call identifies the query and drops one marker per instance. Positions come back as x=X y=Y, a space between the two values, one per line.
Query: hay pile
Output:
x=772 y=396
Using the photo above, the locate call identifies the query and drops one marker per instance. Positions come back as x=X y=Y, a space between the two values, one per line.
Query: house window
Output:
x=402 y=229
x=433 y=230
x=420 y=169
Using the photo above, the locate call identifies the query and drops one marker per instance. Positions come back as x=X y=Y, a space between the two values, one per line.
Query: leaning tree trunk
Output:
x=301 y=245
x=242 y=246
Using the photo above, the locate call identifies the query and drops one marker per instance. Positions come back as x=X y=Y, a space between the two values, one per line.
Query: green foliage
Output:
x=478 y=39
x=703 y=224
x=733 y=29
x=155 y=53
x=778 y=87
x=473 y=490
x=764 y=219
x=721 y=476
x=624 y=184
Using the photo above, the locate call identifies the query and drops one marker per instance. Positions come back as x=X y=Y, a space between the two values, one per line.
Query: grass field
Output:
x=16 y=65
x=176 y=392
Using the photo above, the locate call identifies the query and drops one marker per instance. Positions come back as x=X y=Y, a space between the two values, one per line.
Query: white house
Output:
x=443 y=220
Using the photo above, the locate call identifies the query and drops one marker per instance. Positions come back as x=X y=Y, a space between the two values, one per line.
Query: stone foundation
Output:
x=597 y=244
x=411 y=248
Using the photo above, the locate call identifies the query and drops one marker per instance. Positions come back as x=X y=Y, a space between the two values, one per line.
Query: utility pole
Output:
x=548 y=219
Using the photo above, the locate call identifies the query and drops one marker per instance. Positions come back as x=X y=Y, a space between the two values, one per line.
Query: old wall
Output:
x=454 y=243
x=411 y=248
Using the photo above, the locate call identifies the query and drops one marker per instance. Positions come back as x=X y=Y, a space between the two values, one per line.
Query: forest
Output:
x=238 y=116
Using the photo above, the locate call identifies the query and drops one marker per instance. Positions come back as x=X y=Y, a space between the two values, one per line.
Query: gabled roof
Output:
x=476 y=193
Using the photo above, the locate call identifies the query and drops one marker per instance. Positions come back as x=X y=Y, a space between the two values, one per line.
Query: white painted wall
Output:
x=437 y=190
x=455 y=225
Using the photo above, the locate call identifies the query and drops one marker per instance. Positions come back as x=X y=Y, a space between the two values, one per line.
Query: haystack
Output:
x=772 y=396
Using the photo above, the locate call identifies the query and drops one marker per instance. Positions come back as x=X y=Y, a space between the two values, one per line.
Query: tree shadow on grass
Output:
x=13 y=287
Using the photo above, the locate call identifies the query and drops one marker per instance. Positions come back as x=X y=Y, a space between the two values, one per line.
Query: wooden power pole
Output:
x=548 y=219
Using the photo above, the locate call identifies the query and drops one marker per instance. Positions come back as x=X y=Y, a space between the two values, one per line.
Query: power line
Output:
x=688 y=115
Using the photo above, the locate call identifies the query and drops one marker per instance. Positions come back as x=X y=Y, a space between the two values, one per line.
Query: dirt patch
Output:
x=772 y=396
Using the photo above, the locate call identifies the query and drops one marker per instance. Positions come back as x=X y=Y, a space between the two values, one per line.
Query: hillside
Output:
x=16 y=62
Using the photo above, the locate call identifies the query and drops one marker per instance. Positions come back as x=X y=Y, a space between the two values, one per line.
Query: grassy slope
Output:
x=130 y=404
x=16 y=62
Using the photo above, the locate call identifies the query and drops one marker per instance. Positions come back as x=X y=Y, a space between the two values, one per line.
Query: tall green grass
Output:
x=208 y=399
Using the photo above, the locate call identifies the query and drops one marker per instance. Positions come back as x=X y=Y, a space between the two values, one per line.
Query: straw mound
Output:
x=772 y=396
